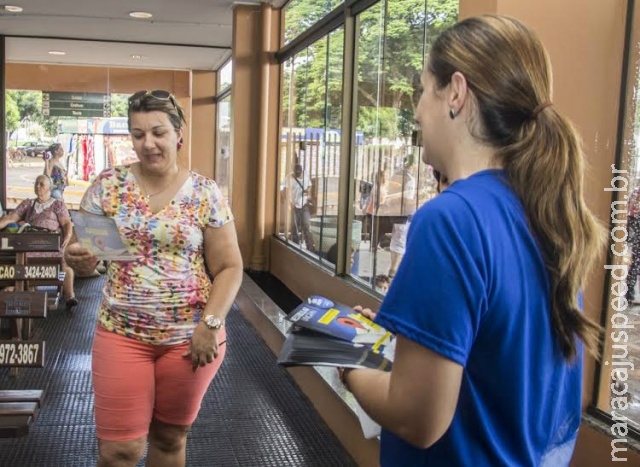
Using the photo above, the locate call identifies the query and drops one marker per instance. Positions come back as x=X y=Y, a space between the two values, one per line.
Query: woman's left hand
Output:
x=203 y=348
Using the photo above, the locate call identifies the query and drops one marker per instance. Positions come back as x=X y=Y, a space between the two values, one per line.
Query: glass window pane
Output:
x=391 y=180
x=224 y=157
x=97 y=138
x=310 y=146
x=86 y=118
x=225 y=76
x=300 y=15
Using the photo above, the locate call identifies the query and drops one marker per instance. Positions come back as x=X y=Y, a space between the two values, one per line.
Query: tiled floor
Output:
x=252 y=415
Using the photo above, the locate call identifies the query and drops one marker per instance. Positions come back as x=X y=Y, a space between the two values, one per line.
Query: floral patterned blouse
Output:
x=157 y=299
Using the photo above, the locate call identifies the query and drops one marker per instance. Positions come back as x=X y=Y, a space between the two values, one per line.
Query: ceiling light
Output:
x=57 y=52
x=136 y=56
x=140 y=14
x=11 y=8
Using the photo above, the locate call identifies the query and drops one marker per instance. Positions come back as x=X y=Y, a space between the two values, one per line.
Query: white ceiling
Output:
x=182 y=34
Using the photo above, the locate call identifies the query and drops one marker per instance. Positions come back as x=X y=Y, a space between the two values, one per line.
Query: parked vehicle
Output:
x=33 y=148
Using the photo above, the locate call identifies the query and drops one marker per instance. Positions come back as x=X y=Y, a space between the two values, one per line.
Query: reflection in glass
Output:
x=224 y=158
x=391 y=180
x=310 y=146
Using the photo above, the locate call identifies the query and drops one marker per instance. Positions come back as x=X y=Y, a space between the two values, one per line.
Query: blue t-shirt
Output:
x=473 y=288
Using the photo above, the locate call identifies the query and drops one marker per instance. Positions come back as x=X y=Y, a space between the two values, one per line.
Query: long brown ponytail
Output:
x=539 y=150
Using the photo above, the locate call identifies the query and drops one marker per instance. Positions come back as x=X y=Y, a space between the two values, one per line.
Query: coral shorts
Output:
x=135 y=382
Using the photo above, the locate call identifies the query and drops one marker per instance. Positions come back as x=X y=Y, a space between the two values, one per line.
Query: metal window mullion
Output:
x=358 y=6
x=226 y=92
x=346 y=186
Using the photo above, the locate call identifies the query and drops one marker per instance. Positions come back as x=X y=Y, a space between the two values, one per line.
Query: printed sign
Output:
x=80 y=104
x=22 y=353
x=20 y=272
x=23 y=304
x=29 y=241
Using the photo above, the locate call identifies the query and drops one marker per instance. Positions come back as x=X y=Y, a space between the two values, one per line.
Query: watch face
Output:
x=213 y=322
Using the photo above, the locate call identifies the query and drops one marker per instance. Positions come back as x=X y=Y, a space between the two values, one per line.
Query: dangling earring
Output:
x=452 y=114
x=180 y=143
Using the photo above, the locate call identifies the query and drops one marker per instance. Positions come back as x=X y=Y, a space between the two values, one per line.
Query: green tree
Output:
x=119 y=105
x=30 y=105
x=12 y=116
x=392 y=41
x=300 y=15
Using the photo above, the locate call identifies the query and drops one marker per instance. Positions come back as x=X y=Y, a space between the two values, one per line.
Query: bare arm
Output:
x=224 y=261
x=67 y=231
x=47 y=168
x=417 y=399
x=8 y=219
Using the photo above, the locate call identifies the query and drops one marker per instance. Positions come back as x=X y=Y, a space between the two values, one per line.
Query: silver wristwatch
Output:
x=213 y=322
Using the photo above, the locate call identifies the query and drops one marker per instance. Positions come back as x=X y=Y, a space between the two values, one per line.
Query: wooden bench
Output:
x=18 y=409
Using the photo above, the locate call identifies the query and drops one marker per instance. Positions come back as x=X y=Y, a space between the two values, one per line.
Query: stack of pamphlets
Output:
x=100 y=235
x=326 y=333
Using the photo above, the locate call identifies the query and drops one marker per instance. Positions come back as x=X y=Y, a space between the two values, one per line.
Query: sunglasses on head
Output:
x=159 y=94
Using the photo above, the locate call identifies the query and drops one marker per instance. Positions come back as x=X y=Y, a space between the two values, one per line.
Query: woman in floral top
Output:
x=160 y=338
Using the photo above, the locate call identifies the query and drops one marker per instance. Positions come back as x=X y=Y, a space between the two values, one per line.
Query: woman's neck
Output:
x=470 y=160
x=43 y=199
x=155 y=177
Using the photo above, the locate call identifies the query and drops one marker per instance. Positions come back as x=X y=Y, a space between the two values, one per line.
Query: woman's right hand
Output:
x=80 y=259
x=366 y=312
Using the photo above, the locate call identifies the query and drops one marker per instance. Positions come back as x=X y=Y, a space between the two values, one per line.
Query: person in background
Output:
x=55 y=170
x=160 y=337
x=381 y=283
x=298 y=193
x=488 y=292
x=377 y=198
x=48 y=214
x=633 y=230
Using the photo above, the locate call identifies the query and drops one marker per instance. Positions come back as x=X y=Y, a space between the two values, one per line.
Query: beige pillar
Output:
x=245 y=97
x=267 y=137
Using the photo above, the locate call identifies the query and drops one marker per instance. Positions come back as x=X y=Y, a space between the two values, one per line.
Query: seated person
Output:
x=46 y=213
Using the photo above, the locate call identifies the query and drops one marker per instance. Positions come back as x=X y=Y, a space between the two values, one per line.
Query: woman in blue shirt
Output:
x=485 y=304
